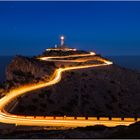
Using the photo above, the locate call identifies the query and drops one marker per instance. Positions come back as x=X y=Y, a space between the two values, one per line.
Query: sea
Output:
x=130 y=62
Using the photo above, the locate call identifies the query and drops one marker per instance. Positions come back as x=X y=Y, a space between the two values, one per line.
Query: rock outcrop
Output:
x=89 y=132
x=62 y=53
x=24 y=70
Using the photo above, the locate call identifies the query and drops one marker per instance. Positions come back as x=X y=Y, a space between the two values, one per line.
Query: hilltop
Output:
x=62 y=53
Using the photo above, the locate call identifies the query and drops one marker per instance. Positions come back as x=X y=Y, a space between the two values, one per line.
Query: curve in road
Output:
x=6 y=117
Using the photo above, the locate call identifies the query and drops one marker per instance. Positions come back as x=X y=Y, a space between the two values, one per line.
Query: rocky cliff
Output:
x=25 y=70
x=62 y=53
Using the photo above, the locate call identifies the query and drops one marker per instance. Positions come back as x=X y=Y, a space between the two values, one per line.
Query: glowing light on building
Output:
x=92 y=53
x=62 y=40
x=74 y=49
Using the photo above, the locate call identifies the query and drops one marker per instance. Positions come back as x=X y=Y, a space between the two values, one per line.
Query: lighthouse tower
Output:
x=62 y=40
x=61 y=47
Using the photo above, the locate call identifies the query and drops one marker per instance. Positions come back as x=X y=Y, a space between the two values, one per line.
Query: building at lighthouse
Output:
x=62 y=46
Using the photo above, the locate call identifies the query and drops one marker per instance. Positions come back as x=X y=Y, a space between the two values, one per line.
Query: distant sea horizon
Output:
x=126 y=61
x=131 y=62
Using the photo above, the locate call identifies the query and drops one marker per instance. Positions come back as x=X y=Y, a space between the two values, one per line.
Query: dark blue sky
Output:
x=109 y=28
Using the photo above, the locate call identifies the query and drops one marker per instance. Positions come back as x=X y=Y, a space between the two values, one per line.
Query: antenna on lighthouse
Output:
x=62 y=40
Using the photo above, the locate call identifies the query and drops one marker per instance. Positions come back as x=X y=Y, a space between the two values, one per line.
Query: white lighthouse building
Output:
x=61 y=47
x=62 y=40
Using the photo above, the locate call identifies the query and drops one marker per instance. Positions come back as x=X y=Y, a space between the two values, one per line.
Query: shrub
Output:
x=41 y=95
x=113 y=82
x=84 y=74
x=35 y=100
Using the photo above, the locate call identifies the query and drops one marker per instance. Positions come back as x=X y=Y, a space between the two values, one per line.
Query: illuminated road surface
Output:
x=6 y=117
x=74 y=55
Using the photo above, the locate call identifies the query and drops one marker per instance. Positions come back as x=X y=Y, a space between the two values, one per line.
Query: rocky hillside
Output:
x=62 y=53
x=25 y=70
x=101 y=91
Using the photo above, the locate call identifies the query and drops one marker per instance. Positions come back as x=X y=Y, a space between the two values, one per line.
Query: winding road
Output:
x=8 y=118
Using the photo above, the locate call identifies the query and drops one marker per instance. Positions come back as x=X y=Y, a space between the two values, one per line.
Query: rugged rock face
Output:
x=62 y=53
x=89 y=132
x=24 y=69
x=102 y=91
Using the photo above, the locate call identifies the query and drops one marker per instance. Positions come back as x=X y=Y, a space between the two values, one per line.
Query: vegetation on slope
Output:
x=102 y=91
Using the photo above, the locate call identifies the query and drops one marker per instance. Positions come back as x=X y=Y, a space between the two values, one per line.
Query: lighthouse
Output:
x=61 y=47
x=62 y=40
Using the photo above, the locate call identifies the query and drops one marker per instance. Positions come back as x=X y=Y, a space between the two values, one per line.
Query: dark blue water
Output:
x=131 y=62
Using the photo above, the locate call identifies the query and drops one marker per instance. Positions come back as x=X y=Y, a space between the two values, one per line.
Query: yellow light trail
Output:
x=68 y=56
x=6 y=117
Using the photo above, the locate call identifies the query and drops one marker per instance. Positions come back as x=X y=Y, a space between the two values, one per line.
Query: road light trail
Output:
x=19 y=91
x=6 y=117
x=68 y=56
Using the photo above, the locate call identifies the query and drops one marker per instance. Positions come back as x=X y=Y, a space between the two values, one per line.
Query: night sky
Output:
x=109 y=28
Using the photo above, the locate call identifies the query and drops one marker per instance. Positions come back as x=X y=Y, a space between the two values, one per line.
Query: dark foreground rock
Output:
x=88 y=132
